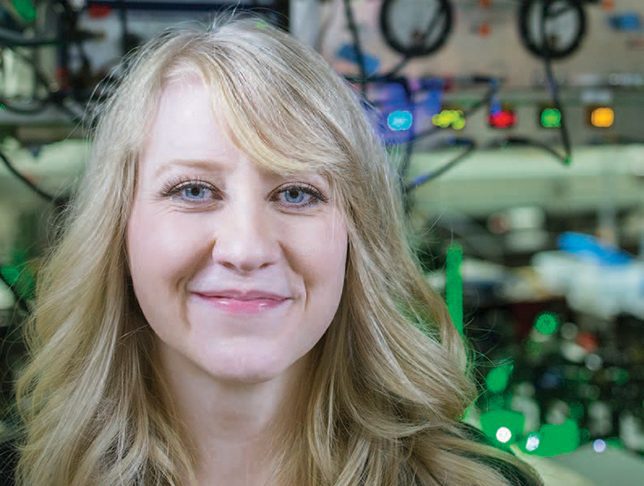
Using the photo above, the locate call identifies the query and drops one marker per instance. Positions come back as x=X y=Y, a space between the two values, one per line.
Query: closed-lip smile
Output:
x=241 y=295
x=240 y=302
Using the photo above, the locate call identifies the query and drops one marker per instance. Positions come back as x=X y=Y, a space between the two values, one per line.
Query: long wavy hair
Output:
x=391 y=378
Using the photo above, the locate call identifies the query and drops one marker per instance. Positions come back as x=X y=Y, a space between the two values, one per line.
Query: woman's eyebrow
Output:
x=203 y=164
x=215 y=166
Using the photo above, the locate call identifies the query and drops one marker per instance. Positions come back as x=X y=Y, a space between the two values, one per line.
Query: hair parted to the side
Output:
x=385 y=396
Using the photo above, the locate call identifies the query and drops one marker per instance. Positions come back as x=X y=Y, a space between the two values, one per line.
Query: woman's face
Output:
x=207 y=222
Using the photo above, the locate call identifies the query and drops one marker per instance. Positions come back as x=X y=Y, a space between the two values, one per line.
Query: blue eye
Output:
x=296 y=194
x=189 y=191
x=194 y=191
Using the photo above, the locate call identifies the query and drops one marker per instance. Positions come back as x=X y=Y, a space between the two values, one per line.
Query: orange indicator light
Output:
x=602 y=116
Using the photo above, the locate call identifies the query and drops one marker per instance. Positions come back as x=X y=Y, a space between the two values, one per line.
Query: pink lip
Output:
x=241 y=295
x=238 y=306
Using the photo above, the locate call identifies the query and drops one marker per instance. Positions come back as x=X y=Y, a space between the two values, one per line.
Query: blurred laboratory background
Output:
x=517 y=129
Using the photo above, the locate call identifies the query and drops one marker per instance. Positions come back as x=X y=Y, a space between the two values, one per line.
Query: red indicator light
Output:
x=505 y=118
x=99 y=11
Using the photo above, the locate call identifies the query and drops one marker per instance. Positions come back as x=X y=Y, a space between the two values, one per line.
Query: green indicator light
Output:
x=497 y=379
x=503 y=426
x=547 y=323
x=550 y=118
x=558 y=439
x=25 y=9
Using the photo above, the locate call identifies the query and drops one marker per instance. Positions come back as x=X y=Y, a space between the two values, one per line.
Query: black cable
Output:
x=429 y=176
x=553 y=86
x=495 y=85
x=9 y=38
x=363 y=79
x=37 y=105
x=45 y=195
x=530 y=142
x=357 y=46
x=55 y=97
x=33 y=108
x=484 y=101
x=530 y=39
x=67 y=35
x=398 y=67
x=418 y=48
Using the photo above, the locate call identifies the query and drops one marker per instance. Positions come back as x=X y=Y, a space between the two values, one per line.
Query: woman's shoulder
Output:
x=8 y=462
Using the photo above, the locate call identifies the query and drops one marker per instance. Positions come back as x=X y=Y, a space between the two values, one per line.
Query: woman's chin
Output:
x=247 y=368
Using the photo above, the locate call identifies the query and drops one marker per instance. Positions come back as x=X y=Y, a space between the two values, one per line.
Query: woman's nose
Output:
x=244 y=237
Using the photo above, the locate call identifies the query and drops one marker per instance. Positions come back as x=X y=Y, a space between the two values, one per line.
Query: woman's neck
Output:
x=236 y=430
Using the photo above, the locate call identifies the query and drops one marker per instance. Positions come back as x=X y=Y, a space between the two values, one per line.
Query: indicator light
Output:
x=400 y=120
x=504 y=426
x=550 y=117
x=601 y=116
x=503 y=434
x=532 y=442
x=391 y=111
x=498 y=378
x=547 y=323
x=502 y=118
x=599 y=445
x=26 y=9
x=557 y=439
x=449 y=118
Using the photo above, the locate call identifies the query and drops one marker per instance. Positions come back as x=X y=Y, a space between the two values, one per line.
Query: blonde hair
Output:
x=391 y=378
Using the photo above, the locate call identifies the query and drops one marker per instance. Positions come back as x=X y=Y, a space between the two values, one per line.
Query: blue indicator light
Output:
x=626 y=22
x=400 y=120
x=599 y=446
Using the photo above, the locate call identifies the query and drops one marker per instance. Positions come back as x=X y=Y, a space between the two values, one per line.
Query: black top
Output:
x=9 y=459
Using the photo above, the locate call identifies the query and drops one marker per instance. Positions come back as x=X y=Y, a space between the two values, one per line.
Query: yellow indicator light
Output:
x=602 y=117
x=449 y=119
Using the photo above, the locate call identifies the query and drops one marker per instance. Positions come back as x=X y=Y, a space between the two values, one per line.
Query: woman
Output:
x=233 y=300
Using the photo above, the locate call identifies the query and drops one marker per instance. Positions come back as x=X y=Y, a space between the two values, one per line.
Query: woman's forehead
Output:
x=192 y=126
